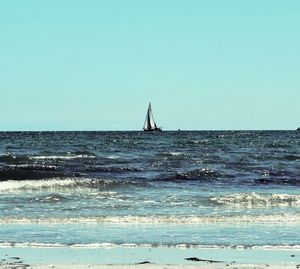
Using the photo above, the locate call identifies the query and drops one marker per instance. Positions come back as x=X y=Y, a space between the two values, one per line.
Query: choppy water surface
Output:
x=219 y=188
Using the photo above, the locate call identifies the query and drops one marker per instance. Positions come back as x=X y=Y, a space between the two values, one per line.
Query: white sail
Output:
x=146 y=124
x=151 y=118
x=150 y=124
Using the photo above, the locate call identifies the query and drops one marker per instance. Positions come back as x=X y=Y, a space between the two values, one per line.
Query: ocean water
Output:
x=187 y=189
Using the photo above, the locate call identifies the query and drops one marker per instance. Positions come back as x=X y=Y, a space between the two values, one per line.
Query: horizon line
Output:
x=168 y=130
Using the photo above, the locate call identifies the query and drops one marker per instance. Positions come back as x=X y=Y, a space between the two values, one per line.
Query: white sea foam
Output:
x=31 y=245
x=48 y=167
x=177 y=153
x=12 y=185
x=129 y=245
x=182 y=246
x=62 y=157
x=113 y=157
x=258 y=200
x=33 y=185
x=95 y=245
x=286 y=219
x=107 y=245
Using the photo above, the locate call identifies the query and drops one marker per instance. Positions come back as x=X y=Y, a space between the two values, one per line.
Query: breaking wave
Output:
x=23 y=185
x=63 y=157
x=276 y=219
x=258 y=200
x=108 y=245
x=59 y=183
x=15 y=159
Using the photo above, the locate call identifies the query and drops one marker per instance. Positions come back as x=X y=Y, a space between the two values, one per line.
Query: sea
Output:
x=181 y=189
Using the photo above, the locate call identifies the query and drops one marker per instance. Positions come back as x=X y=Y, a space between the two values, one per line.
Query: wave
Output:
x=199 y=174
x=13 y=159
x=62 y=157
x=290 y=157
x=113 y=169
x=41 y=171
x=40 y=167
x=62 y=183
x=23 y=185
x=176 y=153
x=109 y=245
x=22 y=172
x=258 y=200
x=173 y=154
x=276 y=219
x=53 y=198
x=294 y=180
x=261 y=177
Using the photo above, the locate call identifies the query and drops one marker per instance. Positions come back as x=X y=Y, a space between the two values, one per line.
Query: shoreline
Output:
x=153 y=266
x=145 y=266
x=151 y=258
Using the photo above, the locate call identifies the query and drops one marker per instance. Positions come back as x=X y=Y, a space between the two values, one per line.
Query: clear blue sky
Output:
x=95 y=65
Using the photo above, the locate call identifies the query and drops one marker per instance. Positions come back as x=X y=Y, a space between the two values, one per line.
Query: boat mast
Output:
x=149 y=118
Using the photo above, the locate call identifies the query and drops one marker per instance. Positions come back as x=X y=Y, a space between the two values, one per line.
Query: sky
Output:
x=96 y=64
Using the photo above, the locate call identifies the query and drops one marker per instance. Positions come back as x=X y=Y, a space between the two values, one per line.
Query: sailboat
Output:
x=150 y=125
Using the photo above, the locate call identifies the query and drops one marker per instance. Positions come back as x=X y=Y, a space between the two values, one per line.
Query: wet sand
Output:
x=146 y=258
x=147 y=266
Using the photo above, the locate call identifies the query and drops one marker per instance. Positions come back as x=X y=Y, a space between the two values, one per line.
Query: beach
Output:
x=239 y=266
x=145 y=266
x=141 y=257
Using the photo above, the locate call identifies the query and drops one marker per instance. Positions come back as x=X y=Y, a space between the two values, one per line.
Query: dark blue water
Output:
x=179 y=186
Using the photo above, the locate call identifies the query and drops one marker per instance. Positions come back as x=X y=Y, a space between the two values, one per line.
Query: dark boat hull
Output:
x=153 y=130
